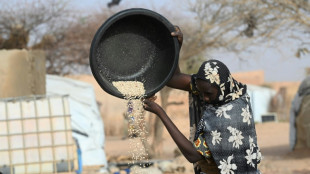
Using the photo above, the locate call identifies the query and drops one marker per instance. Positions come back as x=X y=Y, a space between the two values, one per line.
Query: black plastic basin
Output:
x=134 y=45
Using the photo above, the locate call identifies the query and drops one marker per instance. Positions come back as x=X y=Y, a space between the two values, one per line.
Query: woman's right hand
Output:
x=178 y=33
x=179 y=80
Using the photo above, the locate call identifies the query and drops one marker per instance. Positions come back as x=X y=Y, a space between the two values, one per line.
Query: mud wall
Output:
x=22 y=73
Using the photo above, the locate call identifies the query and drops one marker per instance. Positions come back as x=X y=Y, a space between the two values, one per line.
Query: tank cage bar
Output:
x=36 y=135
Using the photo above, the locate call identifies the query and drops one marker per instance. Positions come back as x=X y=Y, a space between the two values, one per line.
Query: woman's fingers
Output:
x=149 y=104
x=146 y=107
x=146 y=104
x=178 y=33
x=177 y=28
x=153 y=98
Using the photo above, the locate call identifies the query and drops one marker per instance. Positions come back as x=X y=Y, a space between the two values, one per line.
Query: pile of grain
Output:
x=130 y=89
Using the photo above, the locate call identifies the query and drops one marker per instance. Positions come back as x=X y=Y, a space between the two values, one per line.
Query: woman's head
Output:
x=215 y=83
x=208 y=92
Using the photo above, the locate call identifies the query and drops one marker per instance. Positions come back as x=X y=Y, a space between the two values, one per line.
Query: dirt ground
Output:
x=273 y=138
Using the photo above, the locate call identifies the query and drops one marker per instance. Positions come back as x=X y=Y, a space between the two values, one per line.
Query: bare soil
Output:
x=273 y=139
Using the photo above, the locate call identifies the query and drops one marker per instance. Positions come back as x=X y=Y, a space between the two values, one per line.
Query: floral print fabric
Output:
x=230 y=138
x=202 y=147
x=216 y=73
x=227 y=129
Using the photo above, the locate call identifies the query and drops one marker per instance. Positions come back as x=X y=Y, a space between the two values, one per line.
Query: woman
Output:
x=223 y=137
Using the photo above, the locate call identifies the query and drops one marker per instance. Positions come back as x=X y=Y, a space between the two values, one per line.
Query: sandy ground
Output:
x=273 y=138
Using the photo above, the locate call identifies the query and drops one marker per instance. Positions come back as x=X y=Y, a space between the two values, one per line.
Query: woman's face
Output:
x=207 y=91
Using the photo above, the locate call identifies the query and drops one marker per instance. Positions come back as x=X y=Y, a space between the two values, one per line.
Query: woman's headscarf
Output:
x=217 y=74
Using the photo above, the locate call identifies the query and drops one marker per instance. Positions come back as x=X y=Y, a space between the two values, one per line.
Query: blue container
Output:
x=79 y=153
x=127 y=170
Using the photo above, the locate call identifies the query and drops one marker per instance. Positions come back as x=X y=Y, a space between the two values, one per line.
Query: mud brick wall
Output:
x=22 y=73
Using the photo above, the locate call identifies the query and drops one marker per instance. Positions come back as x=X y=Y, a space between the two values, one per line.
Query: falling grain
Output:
x=134 y=92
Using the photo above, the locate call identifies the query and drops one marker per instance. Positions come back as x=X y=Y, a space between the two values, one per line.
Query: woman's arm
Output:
x=186 y=147
x=179 y=80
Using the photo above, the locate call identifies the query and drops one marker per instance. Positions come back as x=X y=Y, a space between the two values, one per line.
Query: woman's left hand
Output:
x=151 y=106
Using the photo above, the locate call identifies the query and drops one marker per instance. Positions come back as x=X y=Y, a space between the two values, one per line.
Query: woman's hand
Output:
x=151 y=106
x=179 y=80
x=178 y=33
x=186 y=146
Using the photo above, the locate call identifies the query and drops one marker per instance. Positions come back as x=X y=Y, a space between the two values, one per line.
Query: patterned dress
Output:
x=223 y=133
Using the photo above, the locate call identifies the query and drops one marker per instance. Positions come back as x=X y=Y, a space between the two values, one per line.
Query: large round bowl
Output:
x=134 y=45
